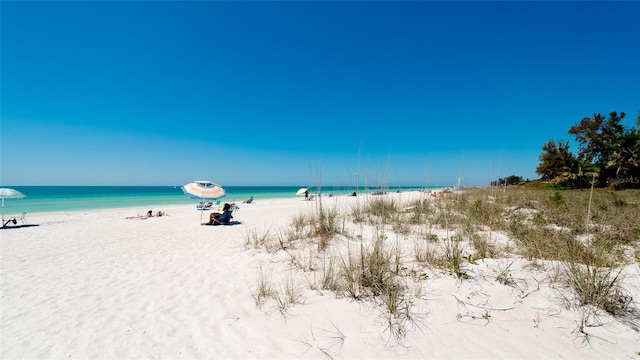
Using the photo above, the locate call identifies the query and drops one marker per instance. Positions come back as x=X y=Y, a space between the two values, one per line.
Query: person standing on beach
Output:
x=306 y=195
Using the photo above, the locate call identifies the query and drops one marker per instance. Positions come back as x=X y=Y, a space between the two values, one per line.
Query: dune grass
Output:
x=348 y=252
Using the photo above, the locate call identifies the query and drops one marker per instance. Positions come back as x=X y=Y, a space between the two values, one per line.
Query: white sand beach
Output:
x=92 y=284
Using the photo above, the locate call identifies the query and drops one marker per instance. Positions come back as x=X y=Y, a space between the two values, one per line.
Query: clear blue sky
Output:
x=297 y=92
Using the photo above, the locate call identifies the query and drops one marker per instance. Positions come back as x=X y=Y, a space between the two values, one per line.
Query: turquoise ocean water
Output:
x=72 y=198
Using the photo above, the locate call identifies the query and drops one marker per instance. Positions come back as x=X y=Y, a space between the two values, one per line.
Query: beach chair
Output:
x=23 y=218
x=224 y=219
x=14 y=221
x=204 y=206
x=7 y=222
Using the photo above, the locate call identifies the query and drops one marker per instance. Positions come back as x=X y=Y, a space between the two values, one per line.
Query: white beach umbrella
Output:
x=8 y=193
x=301 y=191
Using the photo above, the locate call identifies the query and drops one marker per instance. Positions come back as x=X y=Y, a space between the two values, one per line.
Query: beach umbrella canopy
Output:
x=204 y=190
x=8 y=193
x=301 y=191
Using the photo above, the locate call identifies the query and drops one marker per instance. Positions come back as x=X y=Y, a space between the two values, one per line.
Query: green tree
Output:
x=513 y=180
x=555 y=159
x=606 y=149
x=509 y=180
x=579 y=173
x=625 y=158
x=599 y=142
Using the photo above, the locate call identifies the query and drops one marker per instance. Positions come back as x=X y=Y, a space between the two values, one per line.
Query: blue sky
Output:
x=297 y=93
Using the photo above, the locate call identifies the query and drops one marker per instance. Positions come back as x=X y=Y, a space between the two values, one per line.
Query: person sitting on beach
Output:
x=249 y=200
x=158 y=214
x=217 y=216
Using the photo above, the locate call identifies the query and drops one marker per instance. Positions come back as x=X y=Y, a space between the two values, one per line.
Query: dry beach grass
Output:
x=383 y=251
x=479 y=273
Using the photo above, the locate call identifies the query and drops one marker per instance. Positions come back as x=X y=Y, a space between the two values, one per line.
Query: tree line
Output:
x=608 y=155
x=509 y=180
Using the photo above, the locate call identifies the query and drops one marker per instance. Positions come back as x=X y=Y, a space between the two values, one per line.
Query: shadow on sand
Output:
x=227 y=224
x=17 y=226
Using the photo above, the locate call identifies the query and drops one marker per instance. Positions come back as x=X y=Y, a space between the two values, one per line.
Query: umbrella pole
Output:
x=201 y=209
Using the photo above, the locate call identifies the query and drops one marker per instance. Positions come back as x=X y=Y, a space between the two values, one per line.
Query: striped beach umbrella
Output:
x=204 y=190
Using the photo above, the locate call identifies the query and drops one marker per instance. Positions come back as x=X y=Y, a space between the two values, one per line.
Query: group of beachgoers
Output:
x=215 y=218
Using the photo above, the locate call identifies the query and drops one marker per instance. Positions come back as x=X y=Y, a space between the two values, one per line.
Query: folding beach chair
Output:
x=23 y=218
x=223 y=220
